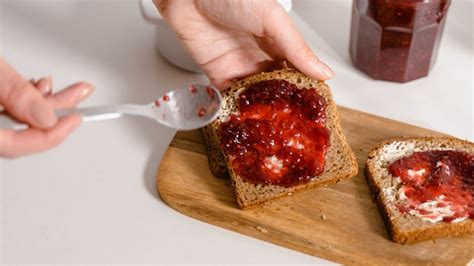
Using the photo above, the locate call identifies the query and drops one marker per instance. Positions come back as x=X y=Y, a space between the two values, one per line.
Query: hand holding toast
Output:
x=233 y=39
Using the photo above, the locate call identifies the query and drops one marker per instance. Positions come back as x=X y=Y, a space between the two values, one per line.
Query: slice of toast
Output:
x=340 y=161
x=405 y=227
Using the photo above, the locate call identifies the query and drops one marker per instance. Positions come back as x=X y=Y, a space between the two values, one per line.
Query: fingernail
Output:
x=49 y=88
x=45 y=85
x=85 y=91
x=42 y=115
x=327 y=71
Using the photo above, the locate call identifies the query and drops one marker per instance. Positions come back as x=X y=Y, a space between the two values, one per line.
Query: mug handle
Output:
x=150 y=13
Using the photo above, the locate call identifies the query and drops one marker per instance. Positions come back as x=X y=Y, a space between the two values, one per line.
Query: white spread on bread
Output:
x=432 y=211
x=416 y=173
x=295 y=144
x=401 y=193
x=389 y=193
x=427 y=211
x=225 y=119
x=459 y=219
x=395 y=151
x=222 y=113
x=274 y=164
x=226 y=109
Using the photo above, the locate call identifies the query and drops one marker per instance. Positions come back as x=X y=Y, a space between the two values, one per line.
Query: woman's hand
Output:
x=34 y=104
x=235 y=38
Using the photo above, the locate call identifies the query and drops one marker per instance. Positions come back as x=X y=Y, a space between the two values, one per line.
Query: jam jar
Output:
x=396 y=40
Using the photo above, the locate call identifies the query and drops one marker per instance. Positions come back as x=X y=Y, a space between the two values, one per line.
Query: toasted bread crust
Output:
x=395 y=221
x=330 y=176
x=215 y=157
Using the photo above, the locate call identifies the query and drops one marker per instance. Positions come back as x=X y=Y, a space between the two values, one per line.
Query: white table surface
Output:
x=93 y=200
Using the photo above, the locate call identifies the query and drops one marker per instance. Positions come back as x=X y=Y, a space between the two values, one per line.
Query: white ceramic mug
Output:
x=166 y=42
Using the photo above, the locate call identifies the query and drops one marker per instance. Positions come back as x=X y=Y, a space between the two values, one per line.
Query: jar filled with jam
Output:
x=396 y=40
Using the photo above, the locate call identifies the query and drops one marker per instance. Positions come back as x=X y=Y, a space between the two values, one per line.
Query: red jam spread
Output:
x=210 y=92
x=436 y=185
x=278 y=134
x=193 y=89
x=397 y=40
x=202 y=112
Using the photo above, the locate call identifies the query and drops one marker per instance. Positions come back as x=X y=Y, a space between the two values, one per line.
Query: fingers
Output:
x=70 y=96
x=22 y=100
x=17 y=143
x=256 y=67
x=67 y=98
x=220 y=84
x=32 y=102
x=241 y=66
x=279 y=27
x=250 y=69
x=44 y=86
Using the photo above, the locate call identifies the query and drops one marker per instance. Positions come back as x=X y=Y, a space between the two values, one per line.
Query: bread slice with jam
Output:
x=278 y=133
x=424 y=187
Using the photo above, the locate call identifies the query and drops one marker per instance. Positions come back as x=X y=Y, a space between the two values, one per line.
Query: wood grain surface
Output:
x=340 y=223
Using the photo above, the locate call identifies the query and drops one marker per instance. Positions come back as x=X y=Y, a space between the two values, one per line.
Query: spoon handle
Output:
x=88 y=114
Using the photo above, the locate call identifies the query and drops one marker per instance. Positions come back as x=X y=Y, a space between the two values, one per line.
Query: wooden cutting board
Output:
x=340 y=223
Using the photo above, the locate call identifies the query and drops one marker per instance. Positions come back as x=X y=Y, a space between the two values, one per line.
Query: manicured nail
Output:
x=42 y=116
x=45 y=85
x=49 y=88
x=86 y=90
x=326 y=70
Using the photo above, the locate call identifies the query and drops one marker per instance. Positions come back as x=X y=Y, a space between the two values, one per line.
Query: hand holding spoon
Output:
x=182 y=109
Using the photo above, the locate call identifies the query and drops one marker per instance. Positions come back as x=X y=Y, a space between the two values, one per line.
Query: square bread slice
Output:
x=340 y=161
x=408 y=228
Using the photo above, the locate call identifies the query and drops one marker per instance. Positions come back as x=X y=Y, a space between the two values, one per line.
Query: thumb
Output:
x=279 y=27
x=22 y=101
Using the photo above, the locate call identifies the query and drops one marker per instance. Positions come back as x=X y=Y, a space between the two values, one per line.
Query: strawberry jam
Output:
x=278 y=135
x=436 y=185
x=202 y=112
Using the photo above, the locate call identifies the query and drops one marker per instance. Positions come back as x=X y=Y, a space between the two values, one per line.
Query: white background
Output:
x=93 y=200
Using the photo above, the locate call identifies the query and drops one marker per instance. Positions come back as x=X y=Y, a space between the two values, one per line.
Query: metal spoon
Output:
x=182 y=109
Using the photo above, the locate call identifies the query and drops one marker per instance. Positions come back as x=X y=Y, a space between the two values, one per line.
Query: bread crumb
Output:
x=323 y=217
x=261 y=229
x=290 y=193
x=328 y=246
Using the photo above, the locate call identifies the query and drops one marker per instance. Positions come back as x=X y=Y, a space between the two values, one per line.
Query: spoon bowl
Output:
x=187 y=108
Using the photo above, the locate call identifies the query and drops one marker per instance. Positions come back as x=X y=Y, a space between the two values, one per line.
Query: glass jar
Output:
x=396 y=40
